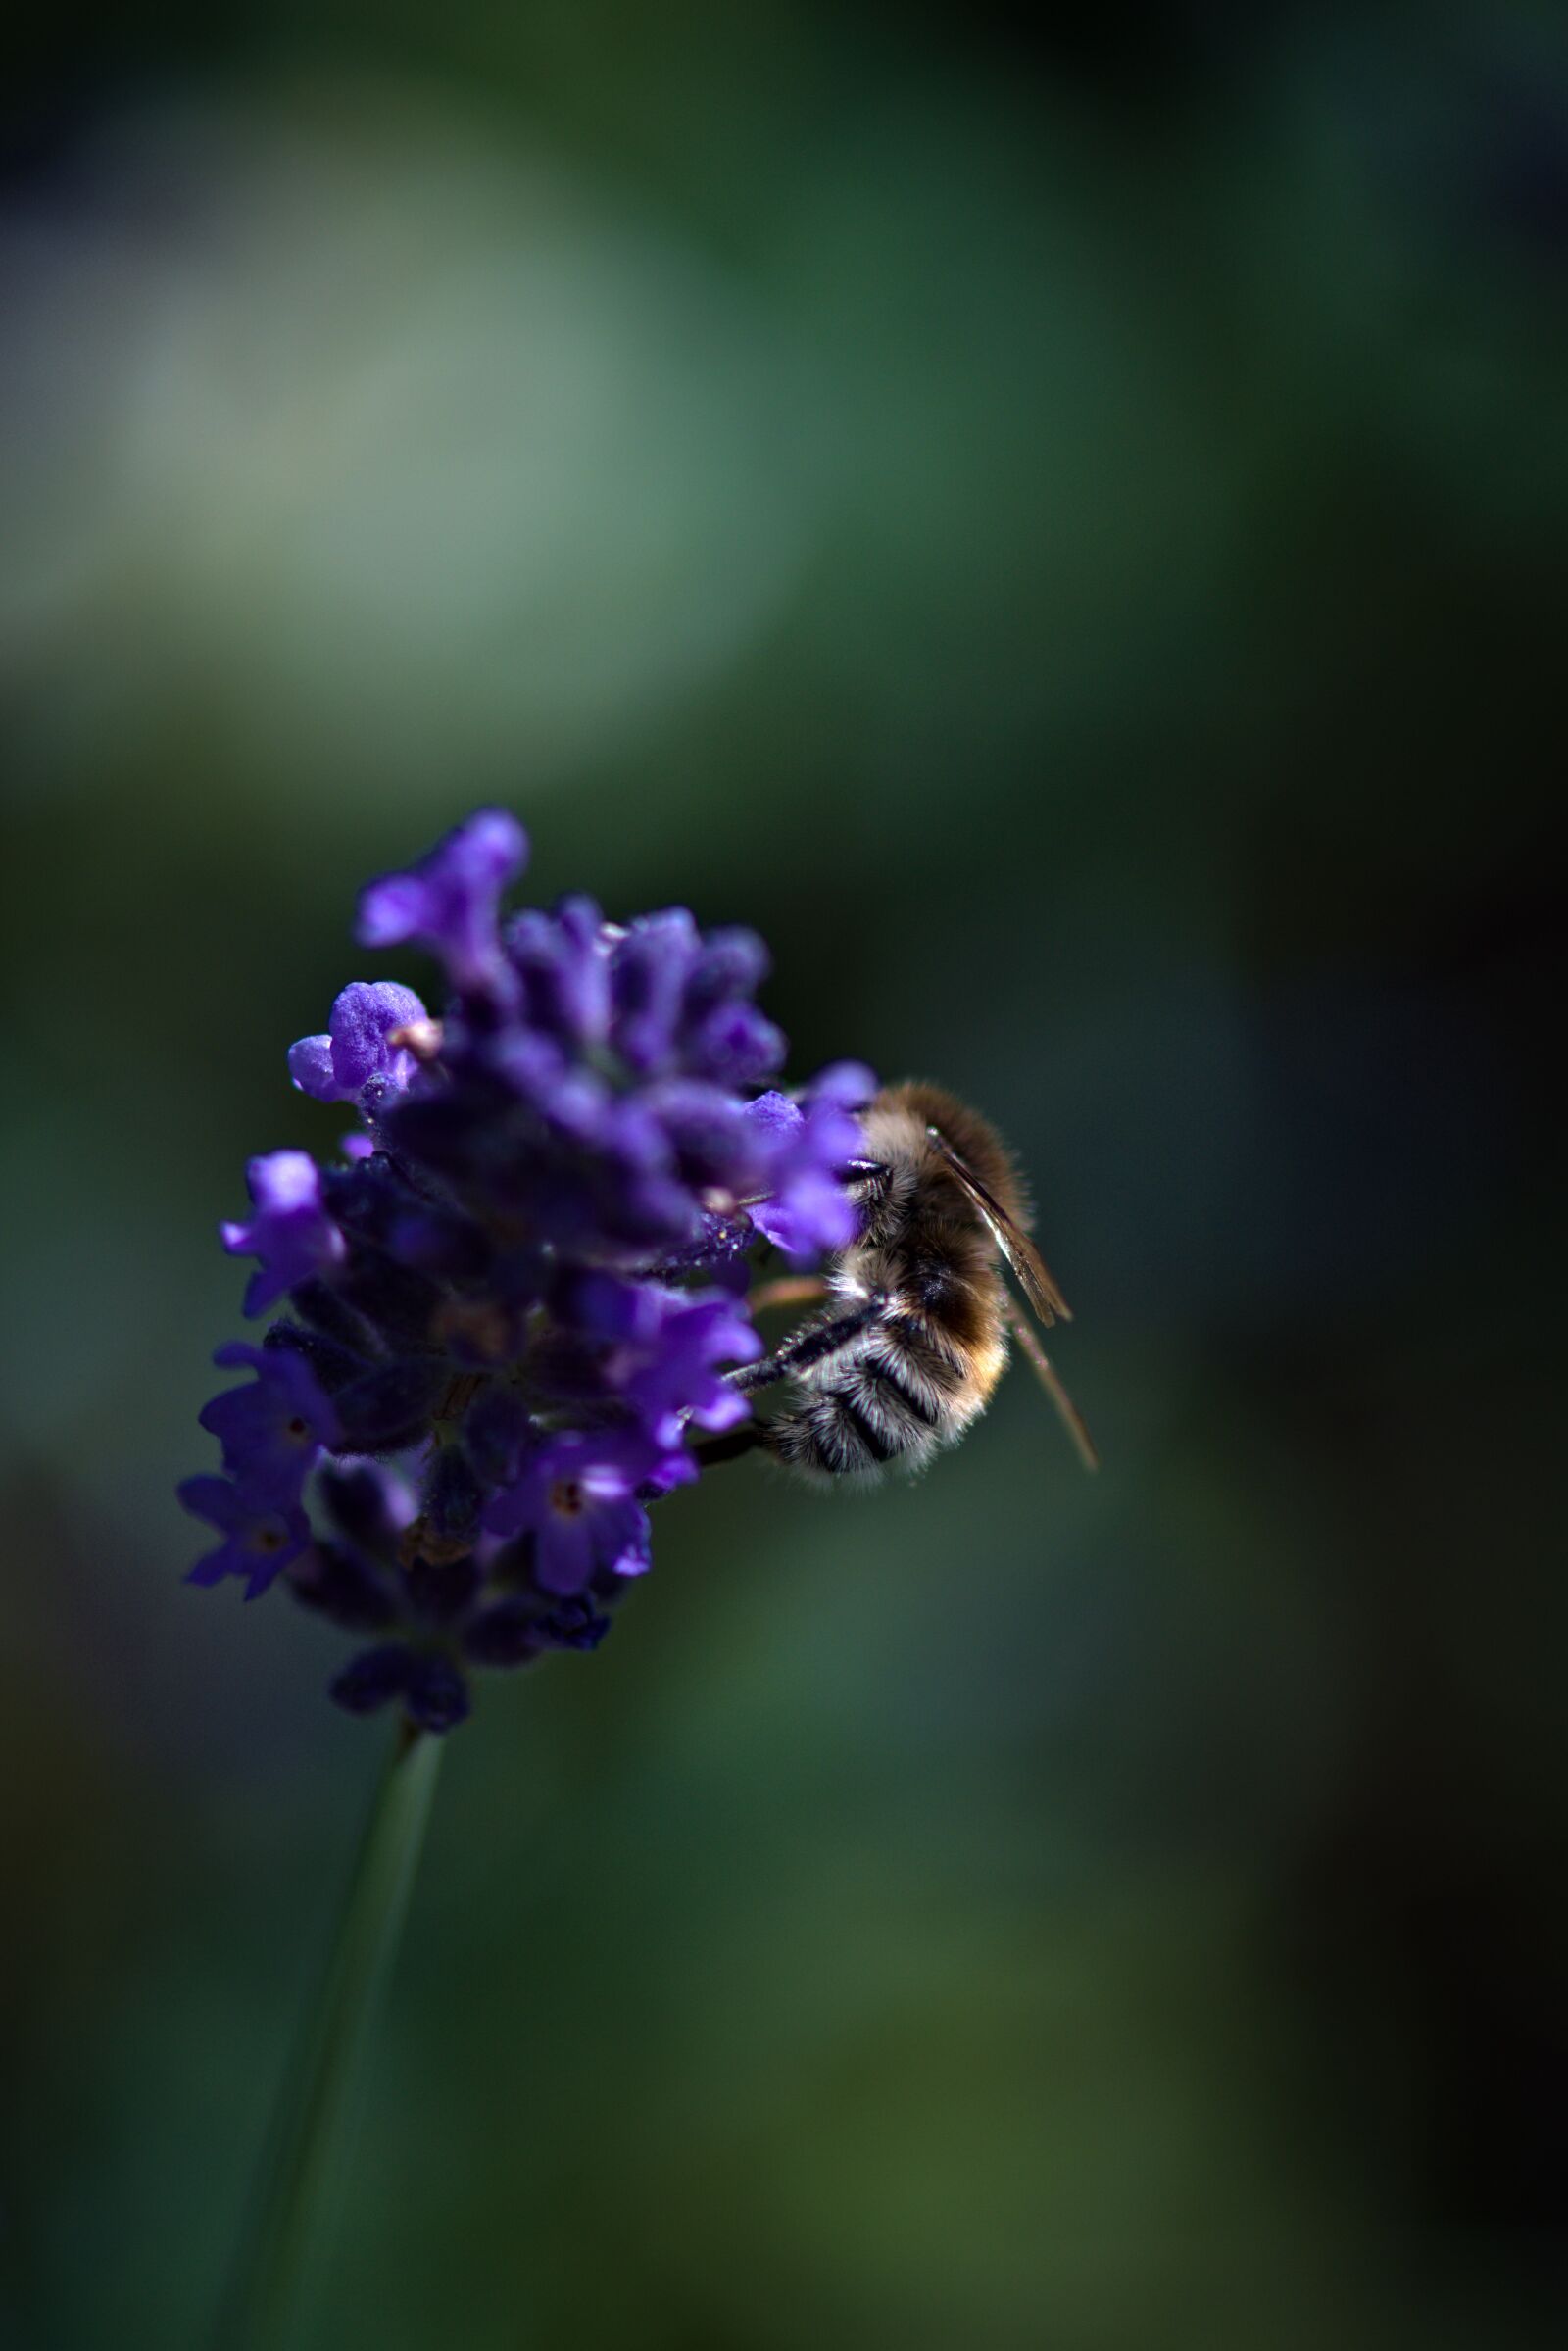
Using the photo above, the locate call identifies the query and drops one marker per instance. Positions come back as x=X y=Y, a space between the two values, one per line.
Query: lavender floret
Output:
x=261 y=1537
x=291 y=1232
x=356 y=1048
x=272 y=1431
x=576 y=1496
x=449 y=901
x=514 y=1301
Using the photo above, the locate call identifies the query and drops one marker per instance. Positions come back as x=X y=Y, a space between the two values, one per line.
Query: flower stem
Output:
x=316 y=2109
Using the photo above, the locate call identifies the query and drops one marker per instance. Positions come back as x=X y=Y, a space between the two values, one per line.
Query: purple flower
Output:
x=679 y=1001
x=271 y=1430
x=664 y=1346
x=372 y=1679
x=521 y=1291
x=504 y=1635
x=369 y=1505
x=290 y=1232
x=340 y=1065
x=576 y=1496
x=450 y=900
x=847 y=1085
x=433 y=1692
x=436 y=1698
x=679 y=1382
x=563 y=961
x=652 y=960
x=346 y=1590
x=805 y=1208
x=575 y=1625
x=260 y=1538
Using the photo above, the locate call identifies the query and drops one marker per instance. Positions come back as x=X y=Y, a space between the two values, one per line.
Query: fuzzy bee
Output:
x=914 y=1334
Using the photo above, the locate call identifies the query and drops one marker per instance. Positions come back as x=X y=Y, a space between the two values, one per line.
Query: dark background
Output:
x=1062 y=524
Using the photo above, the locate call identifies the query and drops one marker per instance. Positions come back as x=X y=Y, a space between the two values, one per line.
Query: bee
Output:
x=915 y=1332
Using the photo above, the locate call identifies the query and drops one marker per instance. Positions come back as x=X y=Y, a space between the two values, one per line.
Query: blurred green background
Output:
x=1059 y=520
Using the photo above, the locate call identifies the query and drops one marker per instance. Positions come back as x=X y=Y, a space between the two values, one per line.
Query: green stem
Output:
x=315 y=2109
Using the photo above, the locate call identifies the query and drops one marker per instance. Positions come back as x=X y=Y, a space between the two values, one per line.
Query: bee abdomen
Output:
x=917 y=1343
x=895 y=1390
x=831 y=1438
x=868 y=1419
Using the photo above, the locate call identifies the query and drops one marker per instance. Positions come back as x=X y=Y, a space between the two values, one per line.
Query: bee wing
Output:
x=1015 y=1245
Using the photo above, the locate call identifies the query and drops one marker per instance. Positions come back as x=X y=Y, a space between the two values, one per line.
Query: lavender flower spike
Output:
x=513 y=1307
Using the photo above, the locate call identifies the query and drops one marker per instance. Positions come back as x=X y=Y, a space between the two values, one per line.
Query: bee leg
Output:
x=749 y=1439
x=792 y=1289
x=811 y=1346
x=1044 y=1371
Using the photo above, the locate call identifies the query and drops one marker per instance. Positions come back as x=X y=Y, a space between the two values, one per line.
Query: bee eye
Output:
x=862 y=1176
